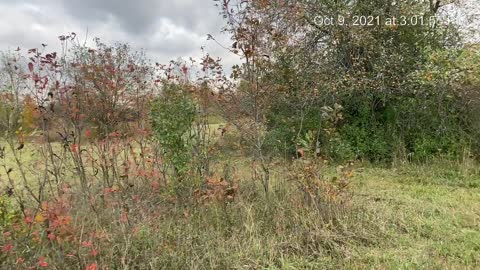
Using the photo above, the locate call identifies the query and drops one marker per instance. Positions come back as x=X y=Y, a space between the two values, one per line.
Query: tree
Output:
x=303 y=67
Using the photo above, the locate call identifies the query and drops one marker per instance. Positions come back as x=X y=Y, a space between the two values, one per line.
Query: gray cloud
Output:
x=140 y=16
x=135 y=17
x=166 y=29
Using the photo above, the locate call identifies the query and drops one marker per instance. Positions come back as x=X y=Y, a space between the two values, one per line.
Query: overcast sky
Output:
x=166 y=29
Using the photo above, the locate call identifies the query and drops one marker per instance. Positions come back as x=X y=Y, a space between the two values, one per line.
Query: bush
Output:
x=172 y=116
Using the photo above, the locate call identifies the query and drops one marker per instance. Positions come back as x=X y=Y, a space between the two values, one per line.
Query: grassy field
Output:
x=403 y=217
x=427 y=224
x=422 y=216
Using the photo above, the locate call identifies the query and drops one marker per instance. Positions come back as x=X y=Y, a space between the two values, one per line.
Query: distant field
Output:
x=28 y=156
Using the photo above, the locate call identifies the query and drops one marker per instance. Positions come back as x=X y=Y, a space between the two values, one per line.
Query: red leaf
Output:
x=86 y=244
x=42 y=262
x=94 y=252
x=28 y=220
x=45 y=82
x=155 y=185
x=30 y=67
x=92 y=266
x=74 y=148
x=7 y=248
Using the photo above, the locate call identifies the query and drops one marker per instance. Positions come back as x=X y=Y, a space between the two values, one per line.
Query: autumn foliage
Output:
x=140 y=165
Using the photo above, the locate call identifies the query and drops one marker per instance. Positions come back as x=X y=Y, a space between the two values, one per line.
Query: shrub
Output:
x=172 y=116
